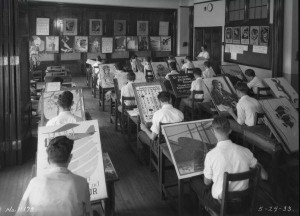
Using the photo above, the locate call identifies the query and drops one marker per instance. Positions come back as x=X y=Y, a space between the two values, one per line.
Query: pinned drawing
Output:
x=95 y=27
x=234 y=73
x=166 y=42
x=66 y=44
x=69 y=26
x=132 y=43
x=236 y=36
x=36 y=49
x=94 y=44
x=119 y=27
x=81 y=44
x=254 y=35
x=155 y=43
x=245 y=35
x=228 y=35
x=52 y=44
x=107 y=74
x=160 y=69
x=142 y=28
x=143 y=43
x=120 y=43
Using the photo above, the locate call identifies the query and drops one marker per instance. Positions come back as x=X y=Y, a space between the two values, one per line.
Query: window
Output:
x=236 y=10
x=258 y=9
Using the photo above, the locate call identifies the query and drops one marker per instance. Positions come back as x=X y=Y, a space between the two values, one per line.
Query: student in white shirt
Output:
x=127 y=91
x=64 y=102
x=167 y=114
x=133 y=63
x=225 y=157
x=58 y=192
x=147 y=64
x=171 y=58
x=253 y=81
x=208 y=72
x=188 y=64
x=203 y=55
x=173 y=68
x=247 y=107
x=120 y=75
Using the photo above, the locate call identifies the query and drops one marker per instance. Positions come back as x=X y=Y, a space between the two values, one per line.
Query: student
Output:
x=147 y=64
x=127 y=90
x=167 y=114
x=120 y=75
x=65 y=102
x=203 y=55
x=59 y=191
x=171 y=58
x=209 y=72
x=225 y=157
x=253 y=81
x=133 y=63
x=246 y=107
x=173 y=70
x=188 y=64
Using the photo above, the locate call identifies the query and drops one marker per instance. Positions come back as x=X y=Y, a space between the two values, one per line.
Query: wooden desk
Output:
x=135 y=120
x=102 y=92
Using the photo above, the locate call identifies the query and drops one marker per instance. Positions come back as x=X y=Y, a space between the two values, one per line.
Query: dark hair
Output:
x=99 y=58
x=65 y=99
x=250 y=72
x=207 y=64
x=221 y=124
x=215 y=82
x=59 y=149
x=57 y=79
x=119 y=66
x=197 y=71
x=188 y=58
x=133 y=56
x=171 y=57
x=131 y=76
x=205 y=46
x=164 y=96
x=173 y=65
x=148 y=59
x=242 y=87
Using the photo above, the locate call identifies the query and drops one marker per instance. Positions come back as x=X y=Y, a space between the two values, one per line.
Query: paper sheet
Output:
x=233 y=56
x=227 y=48
x=260 y=49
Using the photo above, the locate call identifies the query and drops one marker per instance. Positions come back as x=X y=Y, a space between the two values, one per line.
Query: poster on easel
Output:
x=42 y=26
x=234 y=73
x=86 y=158
x=160 y=69
x=107 y=74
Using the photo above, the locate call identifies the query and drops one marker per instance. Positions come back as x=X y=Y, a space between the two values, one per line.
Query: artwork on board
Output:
x=236 y=35
x=94 y=44
x=132 y=43
x=180 y=61
x=36 y=48
x=42 y=26
x=52 y=44
x=95 y=27
x=120 y=43
x=69 y=26
x=264 y=32
x=142 y=28
x=143 y=43
x=245 y=33
x=281 y=88
x=234 y=73
x=107 y=74
x=188 y=143
x=228 y=35
x=119 y=27
x=254 y=35
x=81 y=44
x=66 y=44
x=166 y=42
x=160 y=69
x=155 y=43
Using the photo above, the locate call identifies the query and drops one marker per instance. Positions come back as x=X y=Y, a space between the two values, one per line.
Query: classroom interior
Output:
x=44 y=39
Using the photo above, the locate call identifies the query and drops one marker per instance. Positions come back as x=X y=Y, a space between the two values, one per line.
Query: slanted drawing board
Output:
x=234 y=73
x=181 y=85
x=160 y=69
x=179 y=60
x=107 y=74
x=52 y=86
x=199 y=64
x=188 y=143
x=86 y=159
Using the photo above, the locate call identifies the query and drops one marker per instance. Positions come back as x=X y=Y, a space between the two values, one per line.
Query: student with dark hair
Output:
x=64 y=102
x=173 y=68
x=171 y=58
x=253 y=81
x=247 y=107
x=203 y=55
x=127 y=90
x=167 y=114
x=120 y=74
x=133 y=63
x=188 y=64
x=59 y=191
x=57 y=79
x=147 y=64
x=208 y=72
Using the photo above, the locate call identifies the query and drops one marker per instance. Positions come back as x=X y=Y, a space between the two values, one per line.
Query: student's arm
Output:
x=208 y=171
x=149 y=133
x=263 y=172
x=241 y=115
x=207 y=181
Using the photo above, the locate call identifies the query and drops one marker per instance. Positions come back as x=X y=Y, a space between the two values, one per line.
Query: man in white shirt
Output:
x=127 y=91
x=225 y=157
x=173 y=70
x=203 y=55
x=208 y=72
x=188 y=64
x=247 y=107
x=64 y=102
x=58 y=192
x=253 y=81
x=120 y=75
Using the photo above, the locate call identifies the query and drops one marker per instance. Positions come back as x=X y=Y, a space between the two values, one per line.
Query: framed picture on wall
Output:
x=132 y=43
x=120 y=43
x=119 y=27
x=69 y=26
x=264 y=32
x=66 y=44
x=142 y=28
x=228 y=35
x=81 y=44
x=107 y=45
x=94 y=44
x=245 y=32
x=165 y=43
x=155 y=43
x=254 y=35
x=143 y=42
x=236 y=35
x=95 y=27
x=52 y=44
x=163 y=28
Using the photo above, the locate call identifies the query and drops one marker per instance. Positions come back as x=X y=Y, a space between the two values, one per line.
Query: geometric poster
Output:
x=86 y=158
x=188 y=143
x=52 y=44
x=160 y=69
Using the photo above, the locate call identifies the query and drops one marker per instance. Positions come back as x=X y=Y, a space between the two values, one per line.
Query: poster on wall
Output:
x=66 y=44
x=163 y=28
x=120 y=43
x=143 y=43
x=160 y=69
x=52 y=44
x=155 y=43
x=94 y=44
x=166 y=43
x=107 y=45
x=236 y=36
x=132 y=43
x=142 y=28
x=228 y=35
x=36 y=49
x=42 y=26
x=69 y=26
x=245 y=35
x=81 y=44
x=254 y=32
x=119 y=27
x=95 y=27
x=264 y=32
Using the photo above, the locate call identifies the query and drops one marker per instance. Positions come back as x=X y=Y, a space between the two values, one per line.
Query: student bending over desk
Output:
x=59 y=192
x=209 y=72
x=127 y=91
x=253 y=81
x=188 y=64
x=173 y=68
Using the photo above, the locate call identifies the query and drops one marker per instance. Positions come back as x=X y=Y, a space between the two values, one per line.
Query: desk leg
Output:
x=180 y=197
x=103 y=99
x=161 y=174
x=274 y=174
x=128 y=129
x=110 y=202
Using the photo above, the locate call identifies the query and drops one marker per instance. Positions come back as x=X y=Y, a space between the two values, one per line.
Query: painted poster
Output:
x=142 y=28
x=86 y=159
x=234 y=73
x=236 y=35
x=81 y=44
x=36 y=49
x=155 y=43
x=52 y=44
x=50 y=108
x=254 y=35
x=69 y=26
x=94 y=44
x=107 y=74
x=107 y=45
x=143 y=43
x=163 y=28
x=132 y=43
x=66 y=44
x=264 y=32
x=188 y=143
x=166 y=43
x=281 y=88
x=160 y=69
x=199 y=64
x=228 y=35
x=147 y=101
x=119 y=27
x=245 y=34
x=42 y=26
x=284 y=121
x=95 y=27
x=120 y=43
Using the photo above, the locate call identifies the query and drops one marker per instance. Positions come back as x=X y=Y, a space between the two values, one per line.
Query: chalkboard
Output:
x=181 y=85
x=234 y=73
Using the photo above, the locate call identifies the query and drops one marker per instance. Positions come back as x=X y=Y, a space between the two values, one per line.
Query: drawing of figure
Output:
x=96 y=26
x=51 y=43
x=283 y=113
x=264 y=35
x=254 y=34
x=107 y=76
x=37 y=46
x=245 y=33
x=65 y=47
x=228 y=34
x=221 y=97
x=143 y=43
x=281 y=89
x=70 y=25
x=142 y=27
x=161 y=71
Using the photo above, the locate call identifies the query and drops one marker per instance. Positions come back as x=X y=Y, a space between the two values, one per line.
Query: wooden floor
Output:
x=137 y=191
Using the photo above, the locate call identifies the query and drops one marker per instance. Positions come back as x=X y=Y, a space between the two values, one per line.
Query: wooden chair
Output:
x=263 y=96
x=124 y=108
x=114 y=103
x=194 y=109
x=149 y=76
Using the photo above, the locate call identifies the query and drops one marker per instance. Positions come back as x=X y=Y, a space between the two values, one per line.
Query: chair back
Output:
x=117 y=90
x=241 y=200
x=260 y=94
x=195 y=101
x=127 y=107
x=149 y=76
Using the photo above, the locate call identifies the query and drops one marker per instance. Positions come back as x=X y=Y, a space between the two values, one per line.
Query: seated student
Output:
x=188 y=64
x=167 y=114
x=59 y=191
x=147 y=64
x=209 y=72
x=225 y=157
x=64 y=102
x=246 y=107
x=173 y=70
x=120 y=74
x=253 y=81
x=171 y=58
x=133 y=63
x=127 y=90
x=139 y=77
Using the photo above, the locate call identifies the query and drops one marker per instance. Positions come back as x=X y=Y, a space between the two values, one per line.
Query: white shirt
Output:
x=63 y=117
x=231 y=158
x=121 y=76
x=187 y=65
x=147 y=66
x=197 y=85
x=59 y=192
x=208 y=73
x=171 y=73
x=167 y=114
x=204 y=55
x=127 y=91
x=255 y=83
x=139 y=77
x=246 y=109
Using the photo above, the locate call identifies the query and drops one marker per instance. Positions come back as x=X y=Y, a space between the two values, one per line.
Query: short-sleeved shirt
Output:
x=147 y=66
x=227 y=157
x=64 y=117
x=208 y=73
x=197 y=85
x=167 y=114
x=246 y=109
x=121 y=76
x=127 y=91
x=171 y=73
x=187 y=65
x=204 y=54
x=139 y=77
x=256 y=83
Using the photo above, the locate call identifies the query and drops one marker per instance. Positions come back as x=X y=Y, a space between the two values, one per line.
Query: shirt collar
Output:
x=224 y=143
x=199 y=78
x=244 y=97
x=59 y=170
x=64 y=112
x=167 y=106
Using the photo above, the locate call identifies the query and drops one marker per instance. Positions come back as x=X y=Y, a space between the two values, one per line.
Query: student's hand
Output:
x=143 y=127
x=230 y=111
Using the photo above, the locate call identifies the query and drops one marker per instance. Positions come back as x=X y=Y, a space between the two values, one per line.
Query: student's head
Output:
x=216 y=84
x=204 y=48
x=99 y=58
x=57 y=79
x=197 y=72
x=249 y=74
x=188 y=58
x=241 y=89
x=106 y=69
x=173 y=65
x=221 y=128
x=65 y=100
x=207 y=64
x=171 y=57
x=164 y=97
x=133 y=57
x=119 y=66
x=131 y=76
x=59 y=150
x=148 y=59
